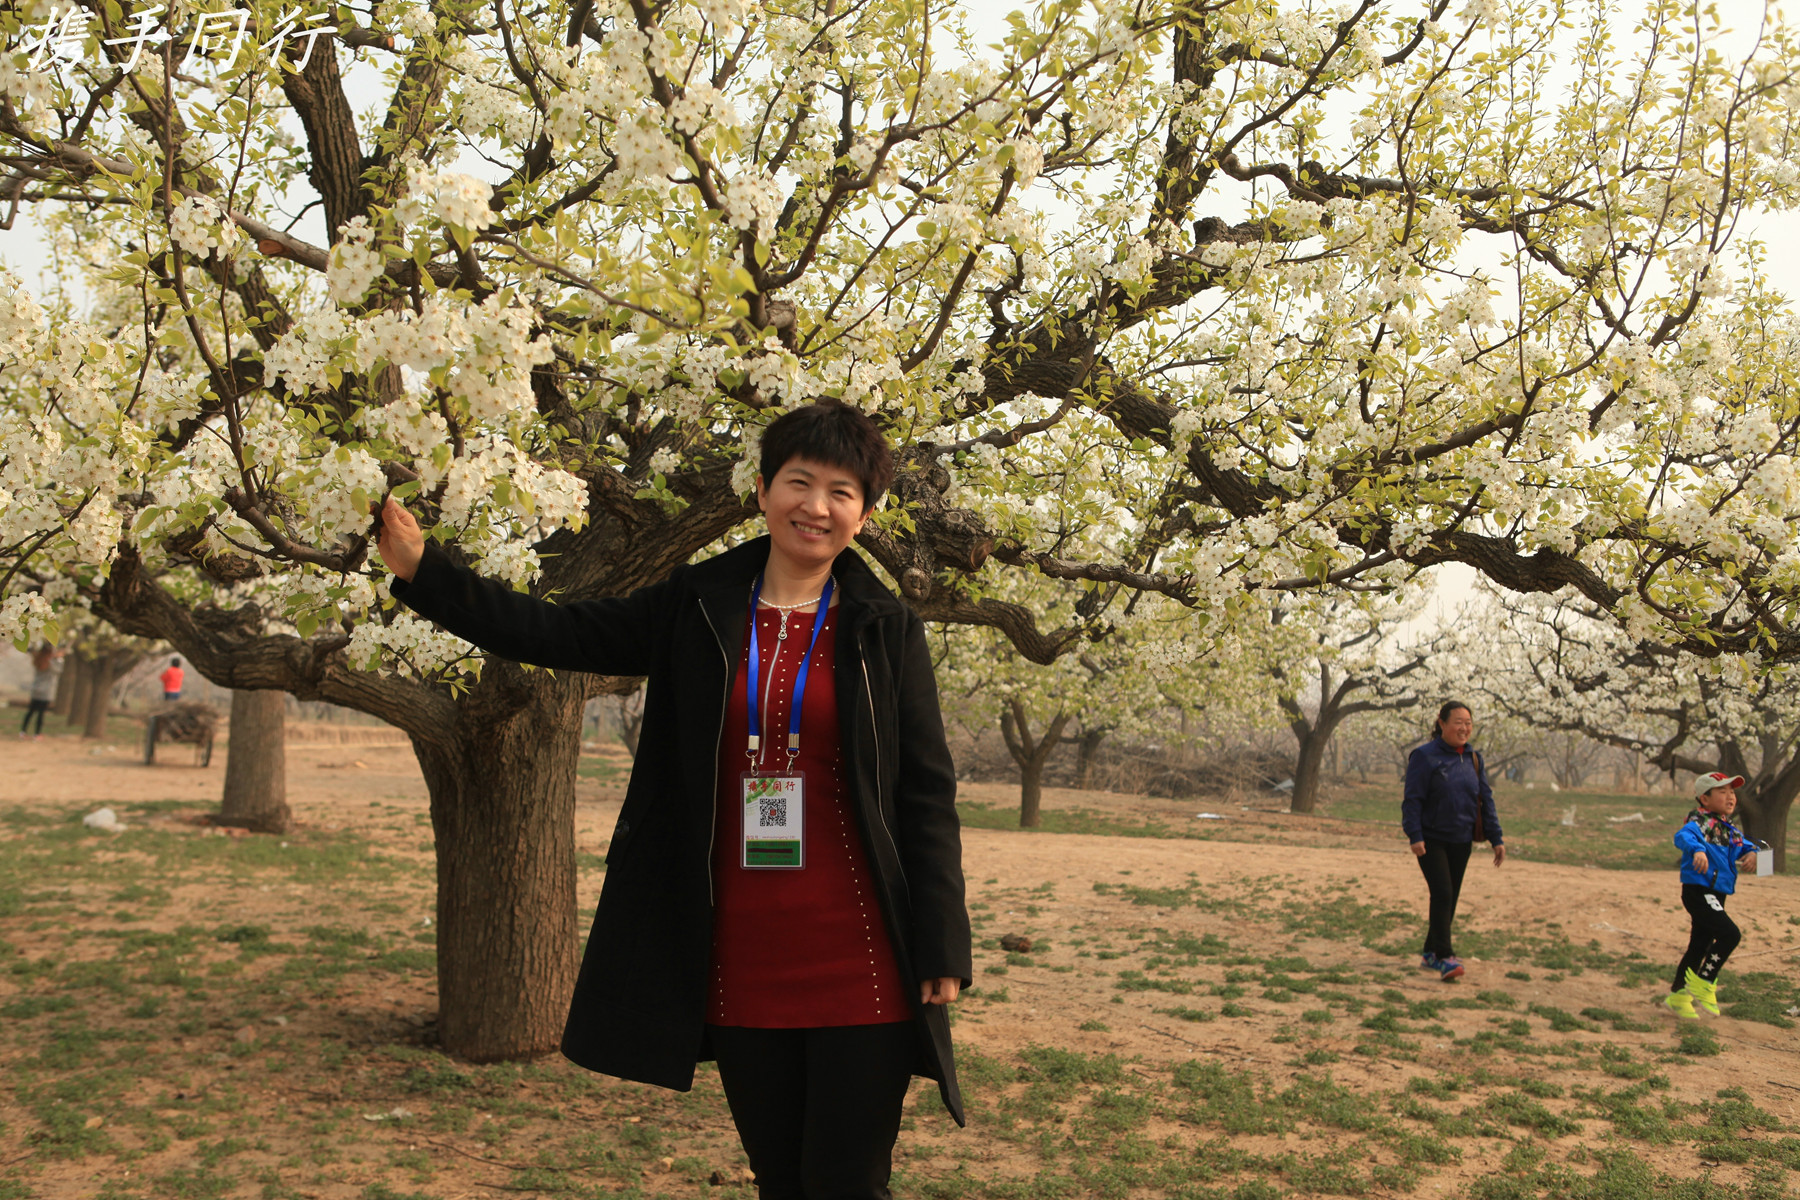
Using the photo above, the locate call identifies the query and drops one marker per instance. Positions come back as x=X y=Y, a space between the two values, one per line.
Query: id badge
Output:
x=774 y=825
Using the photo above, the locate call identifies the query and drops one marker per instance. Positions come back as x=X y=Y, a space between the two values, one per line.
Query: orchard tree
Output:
x=1546 y=662
x=1332 y=657
x=1351 y=285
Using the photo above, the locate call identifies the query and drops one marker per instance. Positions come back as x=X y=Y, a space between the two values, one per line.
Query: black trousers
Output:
x=818 y=1110
x=1715 y=935
x=1443 y=864
x=37 y=709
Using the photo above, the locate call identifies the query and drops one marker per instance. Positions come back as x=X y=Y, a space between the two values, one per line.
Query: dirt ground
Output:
x=1332 y=896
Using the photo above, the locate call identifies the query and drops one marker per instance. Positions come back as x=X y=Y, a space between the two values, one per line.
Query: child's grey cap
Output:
x=1716 y=779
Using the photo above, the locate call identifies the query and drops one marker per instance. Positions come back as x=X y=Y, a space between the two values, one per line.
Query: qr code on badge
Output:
x=771 y=812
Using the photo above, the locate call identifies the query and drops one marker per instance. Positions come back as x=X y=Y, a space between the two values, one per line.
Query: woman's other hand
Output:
x=402 y=543
x=939 y=991
x=1499 y=853
x=1418 y=849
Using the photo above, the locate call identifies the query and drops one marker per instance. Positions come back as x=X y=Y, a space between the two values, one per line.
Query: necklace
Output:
x=787 y=610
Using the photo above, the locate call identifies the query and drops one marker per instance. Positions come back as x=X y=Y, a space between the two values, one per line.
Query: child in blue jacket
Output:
x=1711 y=848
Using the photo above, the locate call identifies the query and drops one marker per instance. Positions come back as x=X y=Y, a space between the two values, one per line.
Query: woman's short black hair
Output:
x=833 y=433
x=1450 y=706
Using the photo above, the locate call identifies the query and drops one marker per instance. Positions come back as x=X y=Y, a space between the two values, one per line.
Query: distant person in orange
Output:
x=171 y=680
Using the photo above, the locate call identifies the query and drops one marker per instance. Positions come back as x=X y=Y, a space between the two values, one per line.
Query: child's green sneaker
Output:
x=1682 y=1005
x=1704 y=991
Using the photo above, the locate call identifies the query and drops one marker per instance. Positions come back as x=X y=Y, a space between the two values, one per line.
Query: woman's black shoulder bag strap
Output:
x=1480 y=824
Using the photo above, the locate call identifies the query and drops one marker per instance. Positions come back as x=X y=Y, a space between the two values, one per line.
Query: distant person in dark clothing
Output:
x=171 y=680
x=43 y=688
x=1447 y=807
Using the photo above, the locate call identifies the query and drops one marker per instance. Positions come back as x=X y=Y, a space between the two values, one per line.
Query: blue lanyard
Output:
x=755 y=680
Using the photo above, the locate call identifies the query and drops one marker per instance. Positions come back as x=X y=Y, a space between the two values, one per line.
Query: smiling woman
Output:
x=1447 y=808
x=784 y=890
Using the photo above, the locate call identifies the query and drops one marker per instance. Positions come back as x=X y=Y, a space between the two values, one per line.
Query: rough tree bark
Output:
x=106 y=669
x=65 y=687
x=1087 y=745
x=631 y=720
x=1031 y=754
x=1309 y=764
x=1768 y=793
x=503 y=811
x=256 y=764
x=99 y=695
x=81 y=667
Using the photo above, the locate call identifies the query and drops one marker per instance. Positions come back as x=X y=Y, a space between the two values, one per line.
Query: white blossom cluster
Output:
x=356 y=262
x=200 y=226
x=419 y=646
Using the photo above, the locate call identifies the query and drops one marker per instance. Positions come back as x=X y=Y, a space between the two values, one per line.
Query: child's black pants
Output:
x=818 y=1110
x=1443 y=864
x=1714 y=937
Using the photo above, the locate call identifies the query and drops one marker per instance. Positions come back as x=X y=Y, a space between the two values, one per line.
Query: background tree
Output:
x=1331 y=658
x=255 y=795
x=1126 y=235
x=1547 y=663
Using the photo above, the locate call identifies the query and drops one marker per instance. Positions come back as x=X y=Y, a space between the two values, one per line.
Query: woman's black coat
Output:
x=640 y=1001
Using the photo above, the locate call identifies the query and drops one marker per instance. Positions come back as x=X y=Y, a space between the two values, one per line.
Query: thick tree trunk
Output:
x=82 y=668
x=1031 y=793
x=1031 y=754
x=1315 y=739
x=631 y=720
x=1763 y=813
x=503 y=810
x=65 y=687
x=1309 y=769
x=256 y=764
x=99 y=697
x=1086 y=746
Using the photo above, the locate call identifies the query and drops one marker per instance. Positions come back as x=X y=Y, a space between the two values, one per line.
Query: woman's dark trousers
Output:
x=1715 y=935
x=37 y=709
x=1443 y=864
x=818 y=1110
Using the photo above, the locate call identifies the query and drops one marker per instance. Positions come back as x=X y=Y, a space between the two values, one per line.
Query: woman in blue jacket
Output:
x=1711 y=848
x=1446 y=809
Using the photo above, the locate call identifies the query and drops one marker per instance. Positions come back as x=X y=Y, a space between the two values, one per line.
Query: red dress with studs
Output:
x=796 y=949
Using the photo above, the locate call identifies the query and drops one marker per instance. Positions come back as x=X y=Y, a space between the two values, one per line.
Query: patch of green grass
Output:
x=1697 y=1041
x=1231 y=1099
x=1560 y=1021
x=1067 y=820
x=1517 y=1108
x=1068 y=1066
x=23 y=1008
x=1618 y=1020
x=603 y=769
x=1341 y=916
x=1761 y=996
x=1137 y=981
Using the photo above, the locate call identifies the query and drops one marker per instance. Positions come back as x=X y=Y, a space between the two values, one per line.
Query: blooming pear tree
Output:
x=1283 y=294
x=1329 y=657
x=1128 y=673
x=1546 y=662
